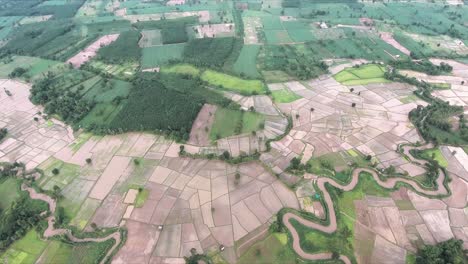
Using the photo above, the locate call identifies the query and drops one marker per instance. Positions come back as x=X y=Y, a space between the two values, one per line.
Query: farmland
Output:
x=362 y=75
x=230 y=122
x=234 y=131
x=233 y=83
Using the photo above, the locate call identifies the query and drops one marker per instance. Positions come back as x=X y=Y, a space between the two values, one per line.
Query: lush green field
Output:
x=26 y=250
x=66 y=173
x=185 y=69
x=158 y=55
x=284 y=96
x=343 y=240
x=141 y=198
x=233 y=122
x=362 y=75
x=435 y=154
x=273 y=249
x=232 y=83
x=10 y=190
x=34 y=67
x=246 y=63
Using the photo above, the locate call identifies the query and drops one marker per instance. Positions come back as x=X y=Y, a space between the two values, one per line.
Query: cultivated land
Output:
x=282 y=131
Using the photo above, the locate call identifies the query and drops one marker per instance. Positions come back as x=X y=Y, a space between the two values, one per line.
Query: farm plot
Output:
x=150 y=38
x=185 y=69
x=234 y=122
x=26 y=250
x=215 y=30
x=232 y=83
x=91 y=51
x=246 y=63
x=277 y=36
x=34 y=67
x=158 y=55
x=34 y=19
x=123 y=71
x=362 y=75
x=252 y=26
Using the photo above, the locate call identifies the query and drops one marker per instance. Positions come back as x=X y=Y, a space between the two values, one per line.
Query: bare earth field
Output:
x=200 y=129
x=91 y=51
x=387 y=37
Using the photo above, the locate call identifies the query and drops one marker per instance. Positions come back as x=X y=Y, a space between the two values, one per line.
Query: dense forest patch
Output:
x=153 y=107
x=124 y=49
x=209 y=52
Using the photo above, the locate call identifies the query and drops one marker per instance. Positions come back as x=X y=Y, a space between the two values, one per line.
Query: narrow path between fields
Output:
x=389 y=183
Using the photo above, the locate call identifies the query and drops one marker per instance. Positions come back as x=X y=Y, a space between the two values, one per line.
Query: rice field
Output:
x=246 y=63
x=370 y=73
x=284 y=96
x=233 y=122
x=158 y=55
x=185 y=69
x=232 y=83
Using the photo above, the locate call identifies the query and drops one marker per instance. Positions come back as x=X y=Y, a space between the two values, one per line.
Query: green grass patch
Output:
x=159 y=55
x=284 y=96
x=66 y=173
x=232 y=83
x=435 y=154
x=26 y=250
x=370 y=73
x=185 y=69
x=34 y=67
x=87 y=209
x=246 y=63
x=232 y=122
x=141 y=198
x=441 y=86
x=272 y=249
x=10 y=190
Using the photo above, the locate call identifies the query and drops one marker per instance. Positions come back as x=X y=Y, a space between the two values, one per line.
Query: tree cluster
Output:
x=450 y=251
x=422 y=66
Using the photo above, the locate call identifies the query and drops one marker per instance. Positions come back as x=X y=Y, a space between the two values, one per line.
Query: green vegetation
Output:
x=18 y=212
x=51 y=39
x=124 y=49
x=3 y=133
x=158 y=55
x=423 y=66
x=141 y=198
x=176 y=34
x=233 y=122
x=432 y=122
x=209 y=52
x=436 y=155
x=246 y=63
x=273 y=249
x=232 y=83
x=284 y=96
x=66 y=104
x=25 y=250
x=361 y=75
x=152 y=99
x=450 y=251
x=185 y=69
x=292 y=61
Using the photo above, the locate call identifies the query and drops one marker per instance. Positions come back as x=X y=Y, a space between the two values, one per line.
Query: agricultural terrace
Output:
x=361 y=75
